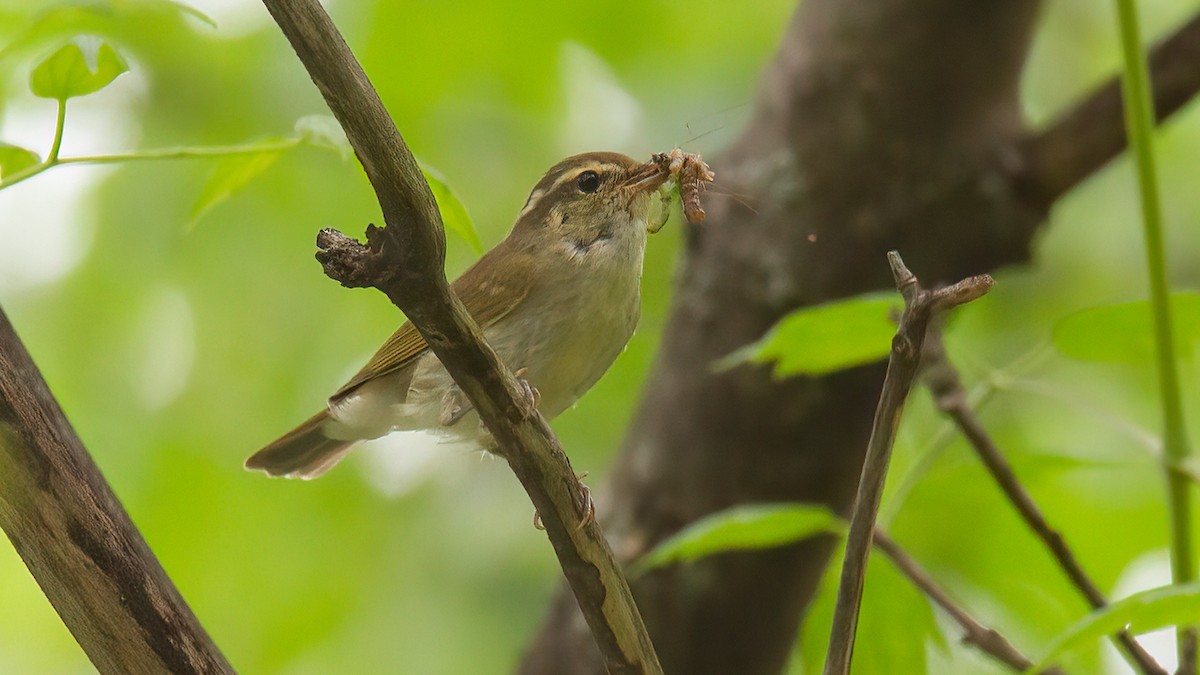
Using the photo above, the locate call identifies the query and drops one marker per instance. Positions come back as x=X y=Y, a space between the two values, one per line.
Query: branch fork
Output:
x=920 y=306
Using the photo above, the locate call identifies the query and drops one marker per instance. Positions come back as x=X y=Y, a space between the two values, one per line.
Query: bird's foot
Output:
x=587 y=506
x=530 y=394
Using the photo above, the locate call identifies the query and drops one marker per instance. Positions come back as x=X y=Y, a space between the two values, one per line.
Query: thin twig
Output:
x=984 y=638
x=919 y=306
x=405 y=261
x=943 y=380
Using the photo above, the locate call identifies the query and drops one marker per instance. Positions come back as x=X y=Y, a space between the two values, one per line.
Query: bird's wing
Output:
x=488 y=294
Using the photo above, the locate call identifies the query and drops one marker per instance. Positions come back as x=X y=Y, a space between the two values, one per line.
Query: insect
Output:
x=691 y=175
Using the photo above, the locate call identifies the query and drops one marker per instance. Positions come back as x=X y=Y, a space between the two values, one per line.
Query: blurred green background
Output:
x=178 y=347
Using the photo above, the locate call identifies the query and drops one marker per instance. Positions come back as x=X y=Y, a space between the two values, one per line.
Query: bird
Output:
x=558 y=300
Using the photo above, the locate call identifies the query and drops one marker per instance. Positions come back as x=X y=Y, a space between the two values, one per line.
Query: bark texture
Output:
x=880 y=125
x=77 y=540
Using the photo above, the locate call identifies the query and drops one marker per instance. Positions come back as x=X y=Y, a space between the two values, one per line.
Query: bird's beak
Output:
x=646 y=177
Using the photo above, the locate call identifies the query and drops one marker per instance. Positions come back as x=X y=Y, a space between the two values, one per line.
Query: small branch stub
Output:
x=348 y=261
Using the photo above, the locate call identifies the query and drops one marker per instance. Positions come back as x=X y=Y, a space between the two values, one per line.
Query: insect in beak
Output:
x=668 y=172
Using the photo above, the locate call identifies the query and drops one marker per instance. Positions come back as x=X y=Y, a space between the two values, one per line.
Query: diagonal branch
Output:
x=944 y=383
x=79 y=543
x=1086 y=136
x=405 y=261
x=920 y=306
x=984 y=638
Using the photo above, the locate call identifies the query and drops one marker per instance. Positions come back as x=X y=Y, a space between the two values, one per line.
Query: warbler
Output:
x=558 y=300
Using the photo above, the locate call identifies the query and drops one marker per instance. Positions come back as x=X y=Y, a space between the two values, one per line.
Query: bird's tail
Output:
x=304 y=452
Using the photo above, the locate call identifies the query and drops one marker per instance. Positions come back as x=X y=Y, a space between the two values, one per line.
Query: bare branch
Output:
x=1089 y=134
x=919 y=306
x=975 y=633
x=405 y=261
x=78 y=542
x=942 y=378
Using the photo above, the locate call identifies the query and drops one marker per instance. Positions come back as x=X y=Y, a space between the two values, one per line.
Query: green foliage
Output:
x=1124 y=333
x=1139 y=613
x=825 y=338
x=360 y=570
x=187 y=10
x=323 y=131
x=454 y=214
x=67 y=73
x=230 y=175
x=14 y=158
x=743 y=528
x=1138 y=106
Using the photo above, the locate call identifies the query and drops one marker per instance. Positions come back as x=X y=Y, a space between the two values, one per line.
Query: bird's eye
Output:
x=588 y=181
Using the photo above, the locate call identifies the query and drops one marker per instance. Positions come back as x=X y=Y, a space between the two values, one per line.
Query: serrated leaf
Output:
x=230 y=175
x=14 y=158
x=66 y=73
x=1140 y=613
x=1124 y=333
x=454 y=214
x=743 y=527
x=824 y=338
x=323 y=131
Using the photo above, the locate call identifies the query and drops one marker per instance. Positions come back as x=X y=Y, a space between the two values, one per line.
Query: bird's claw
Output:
x=586 y=507
x=530 y=394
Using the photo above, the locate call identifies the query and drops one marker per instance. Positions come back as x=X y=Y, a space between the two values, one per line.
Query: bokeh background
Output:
x=179 y=344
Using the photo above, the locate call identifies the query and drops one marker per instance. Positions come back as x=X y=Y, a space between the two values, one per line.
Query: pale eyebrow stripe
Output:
x=567 y=176
x=534 y=198
x=598 y=167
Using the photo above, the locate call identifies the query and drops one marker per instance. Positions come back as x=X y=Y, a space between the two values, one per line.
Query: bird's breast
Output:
x=575 y=326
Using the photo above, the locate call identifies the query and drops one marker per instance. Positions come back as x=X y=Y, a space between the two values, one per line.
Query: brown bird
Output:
x=558 y=299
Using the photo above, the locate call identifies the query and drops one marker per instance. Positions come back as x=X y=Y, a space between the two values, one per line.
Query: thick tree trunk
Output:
x=880 y=125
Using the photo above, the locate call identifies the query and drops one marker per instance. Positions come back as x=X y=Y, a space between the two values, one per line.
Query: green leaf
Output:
x=824 y=338
x=1124 y=333
x=14 y=158
x=743 y=527
x=185 y=9
x=230 y=175
x=454 y=214
x=66 y=73
x=325 y=132
x=1140 y=613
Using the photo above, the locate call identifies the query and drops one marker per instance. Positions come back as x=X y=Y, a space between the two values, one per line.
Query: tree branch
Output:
x=875 y=127
x=405 y=261
x=1086 y=136
x=919 y=307
x=79 y=543
x=975 y=633
x=943 y=380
